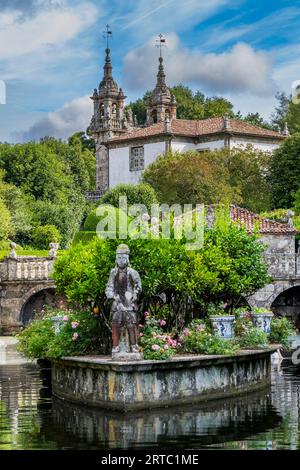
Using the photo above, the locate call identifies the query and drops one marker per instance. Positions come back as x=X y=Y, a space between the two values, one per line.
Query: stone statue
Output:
x=53 y=250
x=124 y=287
x=13 y=253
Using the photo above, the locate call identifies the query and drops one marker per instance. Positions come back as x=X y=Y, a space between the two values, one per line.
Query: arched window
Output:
x=154 y=116
x=102 y=110
x=114 y=109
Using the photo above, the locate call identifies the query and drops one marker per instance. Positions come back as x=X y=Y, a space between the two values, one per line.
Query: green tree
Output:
x=285 y=172
x=217 y=106
x=229 y=265
x=237 y=175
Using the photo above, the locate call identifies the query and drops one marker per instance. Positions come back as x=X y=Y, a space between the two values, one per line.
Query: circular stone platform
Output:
x=101 y=382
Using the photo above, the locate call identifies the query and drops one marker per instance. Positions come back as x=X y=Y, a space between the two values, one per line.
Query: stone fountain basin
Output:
x=99 y=381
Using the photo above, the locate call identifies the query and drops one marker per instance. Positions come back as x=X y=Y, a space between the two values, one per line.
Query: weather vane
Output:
x=161 y=42
x=107 y=35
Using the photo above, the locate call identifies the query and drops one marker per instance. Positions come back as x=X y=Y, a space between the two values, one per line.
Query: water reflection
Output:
x=30 y=419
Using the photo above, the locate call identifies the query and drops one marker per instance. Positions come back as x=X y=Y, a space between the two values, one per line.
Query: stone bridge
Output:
x=282 y=296
x=25 y=287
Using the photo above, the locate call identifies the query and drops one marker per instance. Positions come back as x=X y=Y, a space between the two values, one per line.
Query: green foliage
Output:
x=286 y=112
x=198 y=339
x=84 y=237
x=190 y=105
x=5 y=221
x=236 y=175
x=228 y=265
x=46 y=184
x=80 y=333
x=281 y=330
x=135 y=193
x=255 y=119
x=44 y=235
x=254 y=337
x=34 y=340
x=155 y=342
x=285 y=172
x=109 y=216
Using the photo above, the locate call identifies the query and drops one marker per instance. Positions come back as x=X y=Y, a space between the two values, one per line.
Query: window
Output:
x=136 y=158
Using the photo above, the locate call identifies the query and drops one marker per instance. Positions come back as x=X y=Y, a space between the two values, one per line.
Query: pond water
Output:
x=31 y=419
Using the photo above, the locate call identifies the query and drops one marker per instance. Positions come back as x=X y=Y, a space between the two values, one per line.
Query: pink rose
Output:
x=162 y=322
x=186 y=332
x=75 y=336
x=65 y=318
x=200 y=327
x=141 y=334
x=147 y=314
x=74 y=324
x=155 y=347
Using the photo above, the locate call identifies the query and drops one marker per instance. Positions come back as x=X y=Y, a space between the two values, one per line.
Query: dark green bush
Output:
x=281 y=329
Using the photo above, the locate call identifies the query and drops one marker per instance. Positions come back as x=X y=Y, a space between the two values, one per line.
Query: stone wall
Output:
x=22 y=279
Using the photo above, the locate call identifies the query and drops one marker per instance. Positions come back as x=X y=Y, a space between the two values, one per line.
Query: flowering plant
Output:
x=155 y=343
x=198 y=338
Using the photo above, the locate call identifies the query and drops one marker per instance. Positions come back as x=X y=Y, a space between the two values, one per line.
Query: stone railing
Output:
x=282 y=265
x=26 y=269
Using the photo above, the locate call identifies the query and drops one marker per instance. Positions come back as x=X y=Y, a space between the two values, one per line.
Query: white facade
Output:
x=119 y=163
x=119 y=158
x=264 y=146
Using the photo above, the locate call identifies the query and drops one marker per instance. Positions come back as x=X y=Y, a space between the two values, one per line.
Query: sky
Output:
x=52 y=54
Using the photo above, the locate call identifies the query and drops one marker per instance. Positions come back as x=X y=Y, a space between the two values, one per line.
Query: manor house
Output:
x=124 y=150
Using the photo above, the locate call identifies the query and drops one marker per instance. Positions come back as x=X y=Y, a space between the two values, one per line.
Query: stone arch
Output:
x=287 y=304
x=35 y=300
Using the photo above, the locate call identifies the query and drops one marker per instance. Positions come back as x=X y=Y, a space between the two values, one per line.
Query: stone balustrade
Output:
x=283 y=265
x=26 y=269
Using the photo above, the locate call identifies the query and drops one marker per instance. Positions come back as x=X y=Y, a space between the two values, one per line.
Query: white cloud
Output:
x=74 y=116
x=48 y=27
x=239 y=69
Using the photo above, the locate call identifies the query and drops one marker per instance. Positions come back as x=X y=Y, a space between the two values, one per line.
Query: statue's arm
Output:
x=137 y=284
x=109 y=291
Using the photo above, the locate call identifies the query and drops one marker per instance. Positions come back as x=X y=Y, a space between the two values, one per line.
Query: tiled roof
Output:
x=198 y=128
x=250 y=221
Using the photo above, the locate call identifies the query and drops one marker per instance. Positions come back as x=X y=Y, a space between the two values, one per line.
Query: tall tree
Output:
x=285 y=172
x=237 y=176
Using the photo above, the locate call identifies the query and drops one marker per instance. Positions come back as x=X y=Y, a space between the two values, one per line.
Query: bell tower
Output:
x=109 y=119
x=162 y=103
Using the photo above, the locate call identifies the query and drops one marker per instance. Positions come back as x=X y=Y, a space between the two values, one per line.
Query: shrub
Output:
x=84 y=237
x=44 y=235
x=110 y=217
x=156 y=344
x=254 y=337
x=281 y=329
x=136 y=194
x=198 y=338
x=81 y=333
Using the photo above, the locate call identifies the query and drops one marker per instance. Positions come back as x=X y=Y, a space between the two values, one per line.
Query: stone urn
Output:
x=58 y=322
x=262 y=320
x=223 y=325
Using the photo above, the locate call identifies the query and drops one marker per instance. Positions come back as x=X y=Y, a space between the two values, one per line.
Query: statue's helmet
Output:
x=123 y=249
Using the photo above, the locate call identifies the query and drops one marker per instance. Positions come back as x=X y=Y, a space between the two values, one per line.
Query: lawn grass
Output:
x=20 y=252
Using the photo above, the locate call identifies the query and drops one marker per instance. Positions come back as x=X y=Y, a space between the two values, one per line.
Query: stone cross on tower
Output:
x=108 y=119
x=161 y=104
